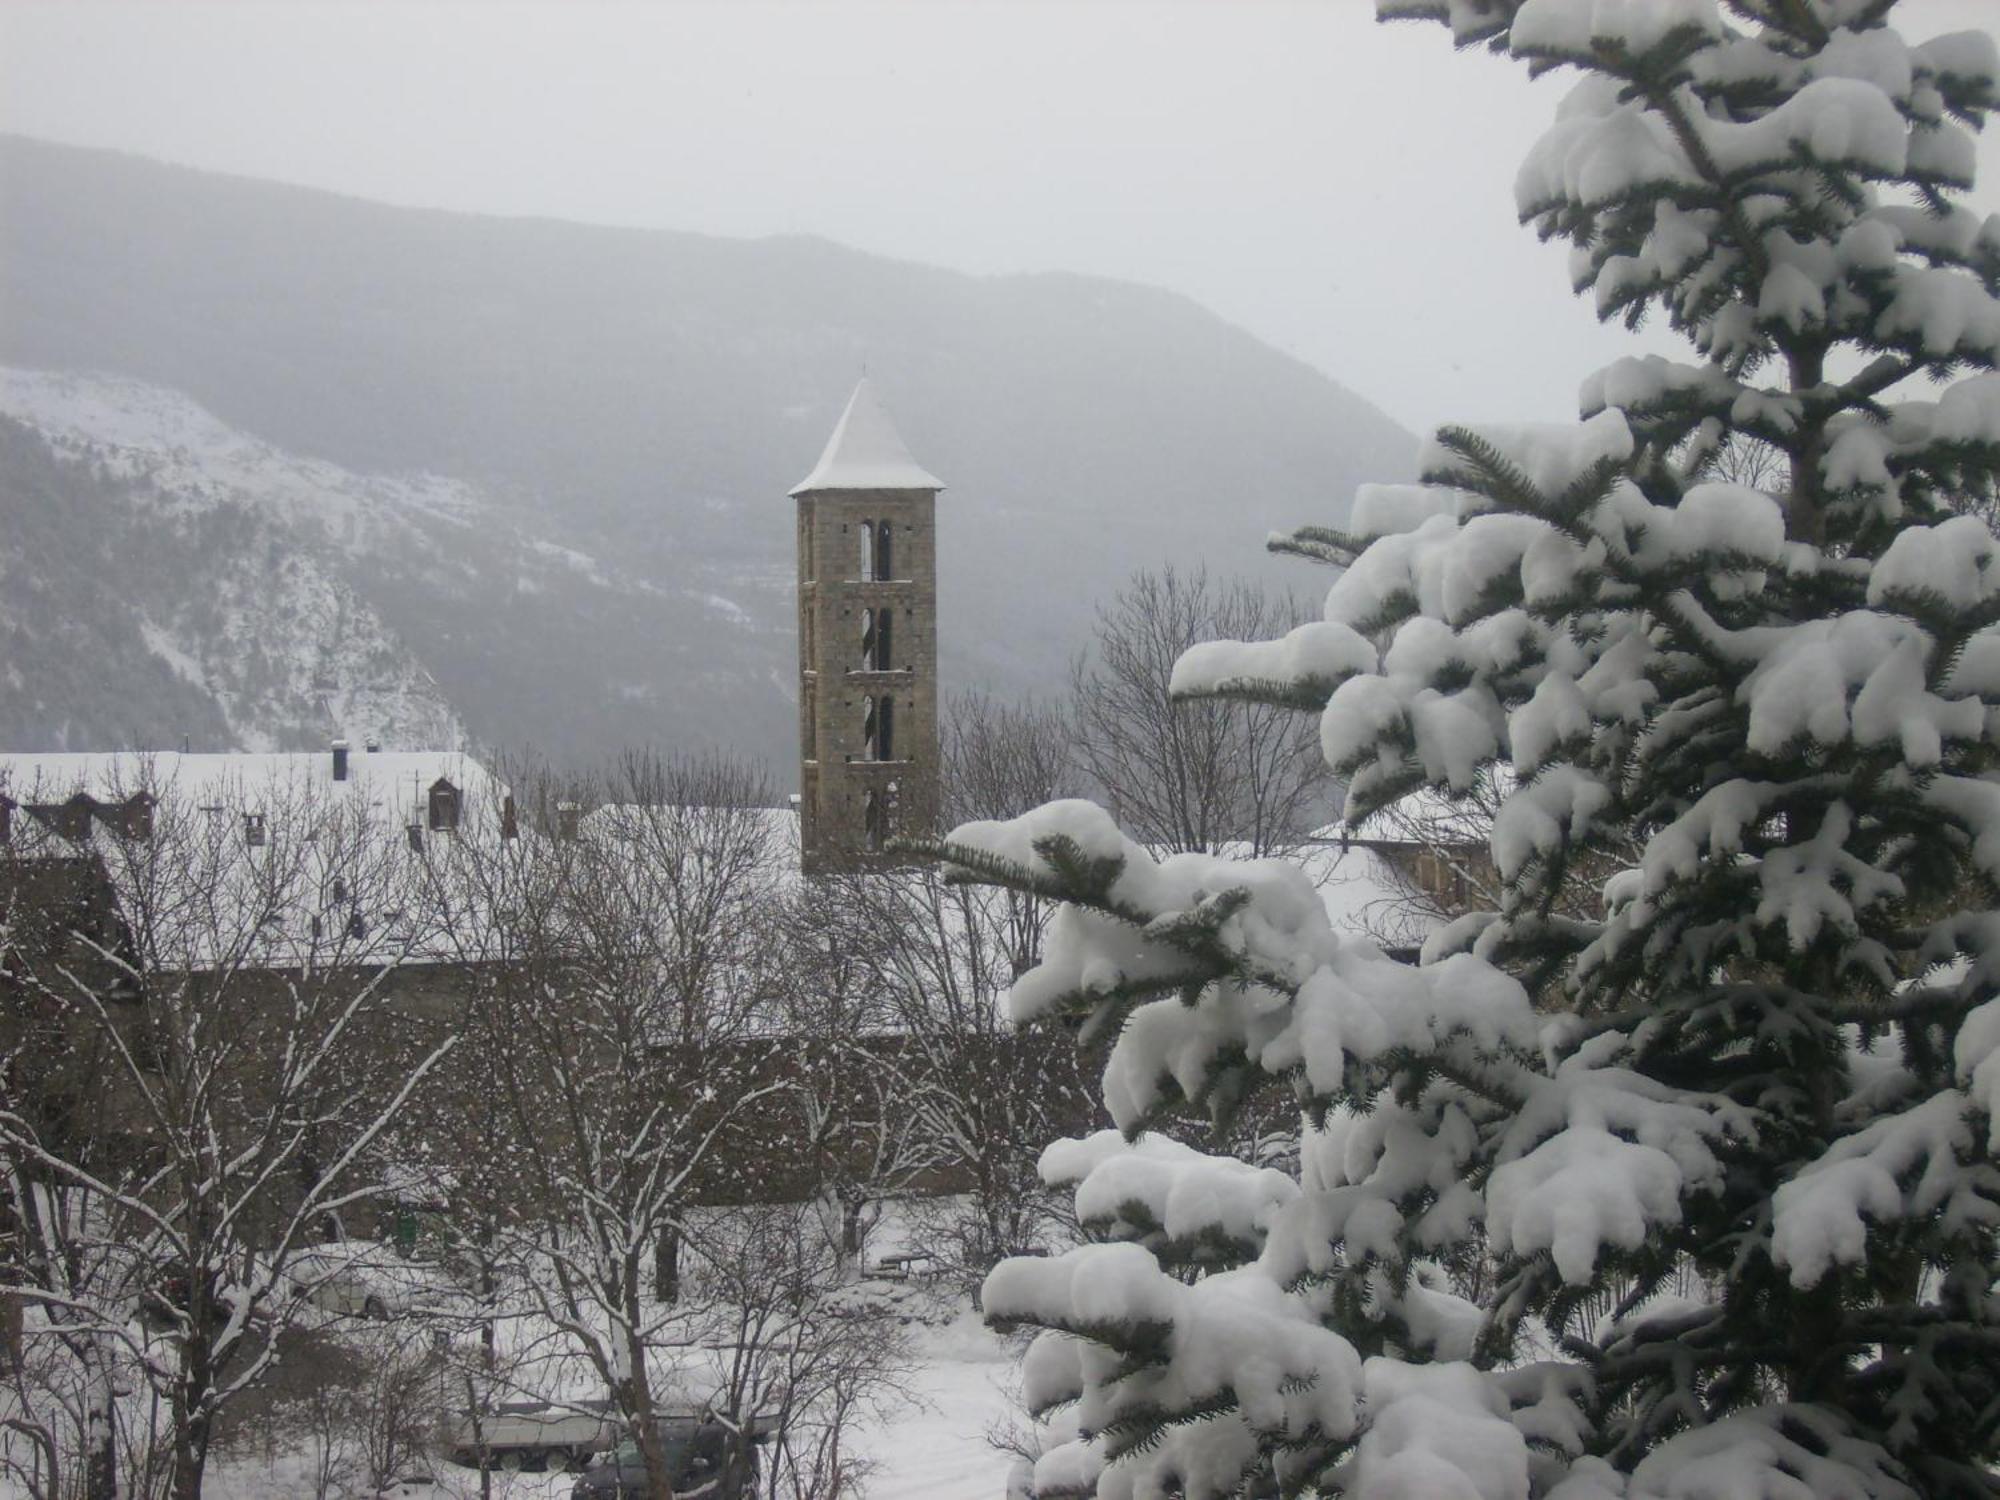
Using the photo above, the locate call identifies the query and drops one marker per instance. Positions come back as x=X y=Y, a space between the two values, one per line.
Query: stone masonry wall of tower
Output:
x=869 y=772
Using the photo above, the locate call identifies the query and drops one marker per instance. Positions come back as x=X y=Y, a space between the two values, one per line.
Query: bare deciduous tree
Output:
x=1002 y=758
x=624 y=940
x=201 y=1053
x=796 y=1347
x=1191 y=775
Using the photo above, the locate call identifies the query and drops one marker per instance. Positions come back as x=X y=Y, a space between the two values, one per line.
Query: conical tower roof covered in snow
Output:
x=866 y=452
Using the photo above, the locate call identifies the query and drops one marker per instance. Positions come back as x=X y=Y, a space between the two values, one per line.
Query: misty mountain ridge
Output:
x=557 y=455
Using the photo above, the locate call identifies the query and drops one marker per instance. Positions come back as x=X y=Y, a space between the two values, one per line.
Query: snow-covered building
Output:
x=1374 y=887
x=285 y=847
x=431 y=791
x=1403 y=872
x=212 y=901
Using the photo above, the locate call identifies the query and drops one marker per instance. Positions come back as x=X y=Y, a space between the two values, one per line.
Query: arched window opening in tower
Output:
x=871 y=820
x=868 y=639
x=884 y=569
x=876 y=648
x=878 y=728
x=867 y=551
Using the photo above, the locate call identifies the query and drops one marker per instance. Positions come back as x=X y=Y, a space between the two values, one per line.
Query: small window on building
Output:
x=443 y=806
x=884 y=562
x=867 y=551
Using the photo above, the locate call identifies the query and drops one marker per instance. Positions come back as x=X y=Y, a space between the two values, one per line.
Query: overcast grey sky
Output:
x=1342 y=189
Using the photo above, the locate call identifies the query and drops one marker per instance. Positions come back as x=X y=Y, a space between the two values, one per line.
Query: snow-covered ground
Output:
x=939 y=1450
x=935 y=1447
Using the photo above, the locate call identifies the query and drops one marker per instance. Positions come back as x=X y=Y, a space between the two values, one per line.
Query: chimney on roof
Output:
x=340 y=760
x=568 y=815
x=510 y=821
x=374 y=747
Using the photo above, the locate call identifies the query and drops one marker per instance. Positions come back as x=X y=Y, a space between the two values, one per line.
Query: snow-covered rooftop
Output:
x=269 y=861
x=866 y=452
x=1431 y=816
x=393 y=783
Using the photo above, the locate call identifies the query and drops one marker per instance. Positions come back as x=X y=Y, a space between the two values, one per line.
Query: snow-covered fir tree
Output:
x=1696 y=1197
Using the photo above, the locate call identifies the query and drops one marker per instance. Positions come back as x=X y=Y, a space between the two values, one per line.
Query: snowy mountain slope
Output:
x=645 y=400
x=316 y=600
x=141 y=430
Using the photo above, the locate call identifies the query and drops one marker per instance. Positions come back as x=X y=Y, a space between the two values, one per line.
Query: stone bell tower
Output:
x=868 y=711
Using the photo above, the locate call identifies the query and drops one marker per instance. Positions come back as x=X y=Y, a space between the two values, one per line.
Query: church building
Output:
x=868 y=702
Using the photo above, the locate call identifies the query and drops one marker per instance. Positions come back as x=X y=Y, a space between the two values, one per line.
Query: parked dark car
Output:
x=698 y=1456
